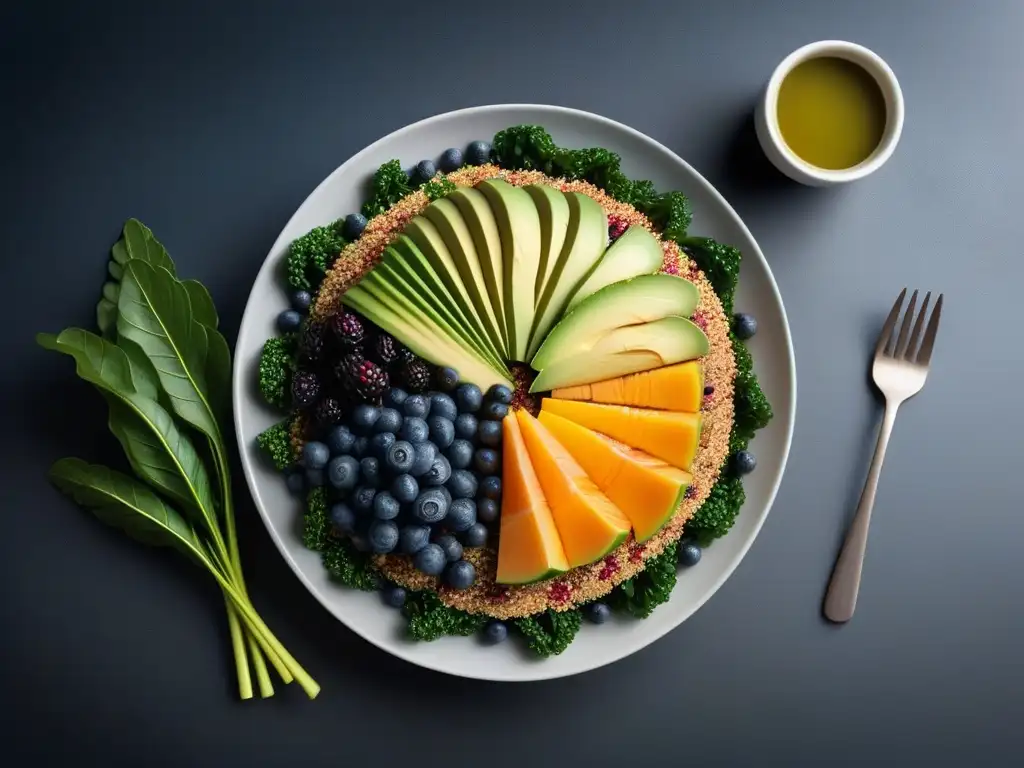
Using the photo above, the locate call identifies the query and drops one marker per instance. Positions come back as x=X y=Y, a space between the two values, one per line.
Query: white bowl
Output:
x=766 y=117
x=642 y=157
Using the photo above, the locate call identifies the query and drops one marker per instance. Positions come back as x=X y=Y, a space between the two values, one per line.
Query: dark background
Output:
x=212 y=121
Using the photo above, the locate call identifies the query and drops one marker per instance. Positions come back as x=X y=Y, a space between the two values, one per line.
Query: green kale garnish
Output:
x=551 y=632
x=598 y=166
x=669 y=211
x=275 y=370
x=430 y=619
x=525 y=147
x=719 y=262
x=438 y=187
x=316 y=524
x=716 y=515
x=651 y=587
x=347 y=566
x=752 y=409
x=311 y=255
x=276 y=442
x=390 y=184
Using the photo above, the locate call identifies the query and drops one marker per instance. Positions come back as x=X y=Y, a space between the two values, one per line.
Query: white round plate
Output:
x=341 y=193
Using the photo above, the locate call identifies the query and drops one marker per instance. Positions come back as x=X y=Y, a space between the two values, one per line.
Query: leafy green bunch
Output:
x=165 y=370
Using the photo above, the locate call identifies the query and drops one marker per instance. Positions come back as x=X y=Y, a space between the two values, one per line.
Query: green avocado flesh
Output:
x=585 y=240
x=519 y=224
x=625 y=350
x=637 y=252
x=553 y=208
x=630 y=302
x=487 y=238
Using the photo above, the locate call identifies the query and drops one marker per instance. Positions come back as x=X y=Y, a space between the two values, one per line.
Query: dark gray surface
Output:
x=212 y=123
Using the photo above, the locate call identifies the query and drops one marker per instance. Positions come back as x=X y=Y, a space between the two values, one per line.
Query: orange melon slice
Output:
x=670 y=436
x=645 y=488
x=677 y=387
x=529 y=548
x=589 y=525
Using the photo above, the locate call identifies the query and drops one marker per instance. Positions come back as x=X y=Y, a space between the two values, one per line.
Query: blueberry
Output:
x=443 y=405
x=490 y=487
x=460 y=575
x=469 y=398
x=465 y=426
x=389 y=420
x=360 y=446
x=395 y=398
x=439 y=473
x=461 y=515
x=487 y=510
x=314 y=478
x=430 y=560
x=354 y=225
x=296 y=481
x=400 y=457
x=451 y=160
x=385 y=506
x=340 y=440
x=499 y=393
x=475 y=535
x=441 y=431
x=744 y=462
x=494 y=410
x=301 y=300
x=488 y=433
x=460 y=454
x=416 y=405
x=364 y=417
x=315 y=455
x=598 y=613
x=383 y=535
x=414 y=537
x=495 y=632
x=343 y=518
x=430 y=506
x=478 y=153
x=380 y=444
x=486 y=461
x=447 y=379
x=426 y=452
x=405 y=488
x=414 y=430
x=451 y=546
x=369 y=471
x=362 y=499
x=426 y=170
x=689 y=554
x=744 y=325
x=289 y=321
x=393 y=595
x=343 y=472
x=462 y=484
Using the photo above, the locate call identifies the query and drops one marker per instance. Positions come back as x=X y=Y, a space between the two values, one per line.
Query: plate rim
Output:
x=536 y=672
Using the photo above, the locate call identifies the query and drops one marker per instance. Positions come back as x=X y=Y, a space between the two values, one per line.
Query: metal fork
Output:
x=899 y=371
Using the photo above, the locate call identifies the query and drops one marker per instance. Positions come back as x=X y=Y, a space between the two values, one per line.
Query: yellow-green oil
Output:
x=831 y=112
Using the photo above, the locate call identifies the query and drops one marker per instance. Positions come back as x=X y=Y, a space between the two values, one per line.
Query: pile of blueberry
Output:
x=419 y=475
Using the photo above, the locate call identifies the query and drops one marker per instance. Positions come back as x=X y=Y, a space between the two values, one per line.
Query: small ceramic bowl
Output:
x=767 y=122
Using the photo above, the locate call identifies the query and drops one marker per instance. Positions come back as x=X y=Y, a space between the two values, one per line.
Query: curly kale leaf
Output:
x=598 y=166
x=311 y=255
x=276 y=442
x=752 y=409
x=649 y=588
x=430 y=619
x=438 y=187
x=275 y=370
x=716 y=515
x=390 y=184
x=347 y=566
x=316 y=525
x=525 y=147
x=719 y=262
x=670 y=212
x=551 y=632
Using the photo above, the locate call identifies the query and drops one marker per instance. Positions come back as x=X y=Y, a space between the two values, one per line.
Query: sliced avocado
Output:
x=519 y=224
x=630 y=349
x=585 y=241
x=640 y=300
x=487 y=238
x=637 y=252
x=410 y=261
x=422 y=338
x=455 y=232
x=553 y=208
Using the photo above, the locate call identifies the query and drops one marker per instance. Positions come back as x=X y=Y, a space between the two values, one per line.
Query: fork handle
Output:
x=841 y=598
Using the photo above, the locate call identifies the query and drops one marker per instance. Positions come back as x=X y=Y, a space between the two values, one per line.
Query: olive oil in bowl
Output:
x=831 y=112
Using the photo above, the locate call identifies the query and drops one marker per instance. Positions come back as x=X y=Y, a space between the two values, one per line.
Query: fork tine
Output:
x=890 y=323
x=915 y=337
x=925 y=355
x=908 y=320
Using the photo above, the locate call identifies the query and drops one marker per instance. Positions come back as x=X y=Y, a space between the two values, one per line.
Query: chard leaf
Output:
x=203 y=308
x=122 y=502
x=218 y=374
x=136 y=242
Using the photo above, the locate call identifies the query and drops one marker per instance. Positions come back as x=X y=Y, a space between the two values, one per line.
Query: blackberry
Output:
x=305 y=389
x=405 y=355
x=416 y=376
x=385 y=350
x=367 y=379
x=348 y=327
x=311 y=345
x=329 y=412
x=346 y=371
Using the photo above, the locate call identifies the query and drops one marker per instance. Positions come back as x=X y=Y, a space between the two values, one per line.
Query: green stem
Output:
x=260 y=664
x=241 y=657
